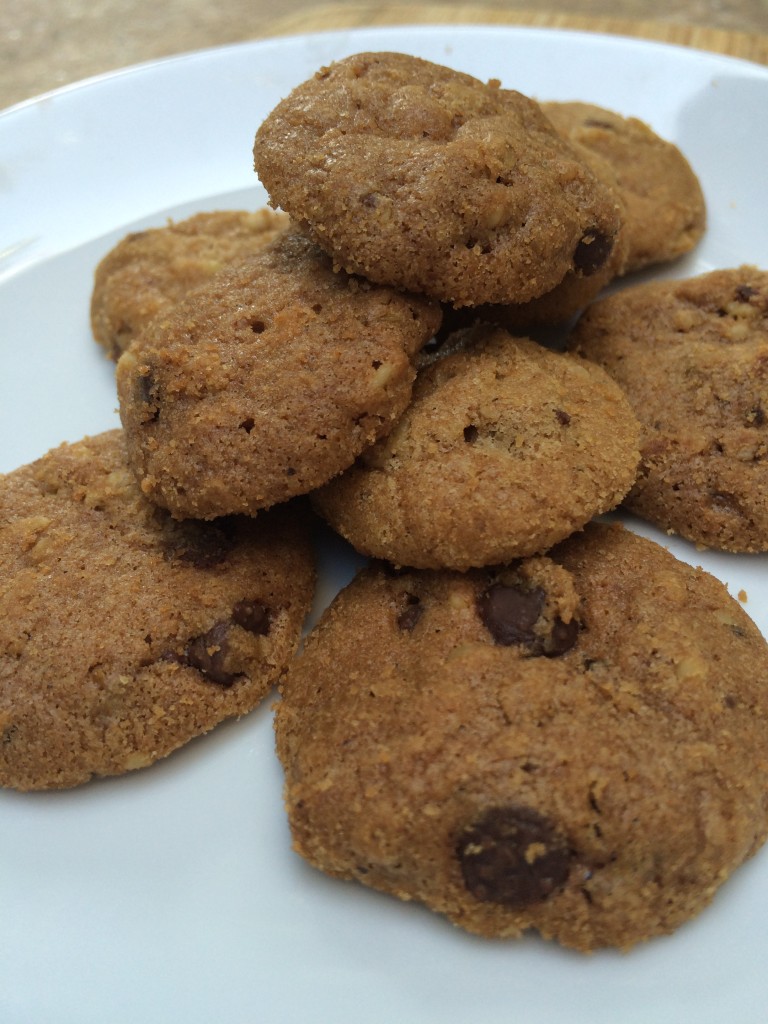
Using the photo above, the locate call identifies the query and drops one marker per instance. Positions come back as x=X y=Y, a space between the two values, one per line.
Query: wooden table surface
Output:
x=45 y=45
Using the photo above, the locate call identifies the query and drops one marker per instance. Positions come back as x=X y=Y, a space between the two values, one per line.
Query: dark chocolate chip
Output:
x=562 y=638
x=208 y=654
x=745 y=292
x=510 y=613
x=592 y=252
x=253 y=616
x=562 y=417
x=470 y=433
x=513 y=856
x=413 y=611
x=201 y=545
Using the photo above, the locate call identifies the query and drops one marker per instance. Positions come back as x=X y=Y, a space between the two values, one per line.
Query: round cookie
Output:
x=148 y=271
x=505 y=449
x=692 y=358
x=124 y=633
x=573 y=744
x=427 y=179
x=663 y=206
x=267 y=381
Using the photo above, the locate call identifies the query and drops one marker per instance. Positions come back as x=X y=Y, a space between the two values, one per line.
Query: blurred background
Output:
x=45 y=44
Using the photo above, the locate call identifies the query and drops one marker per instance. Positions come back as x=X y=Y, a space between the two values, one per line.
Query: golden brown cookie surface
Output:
x=574 y=743
x=692 y=357
x=424 y=178
x=564 y=302
x=123 y=633
x=267 y=382
x=664 y=209
x=149 y=271
x=505 y=449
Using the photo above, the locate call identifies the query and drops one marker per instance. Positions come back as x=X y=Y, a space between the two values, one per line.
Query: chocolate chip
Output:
x=470 y=433
x=562 y=417
x=592 y=252
x=208 y=654
x=510 y=613
x=513 y=856
x=745 y=292
x=201 y=545
x=561 y=638
x=253 y=616
x=408 y=618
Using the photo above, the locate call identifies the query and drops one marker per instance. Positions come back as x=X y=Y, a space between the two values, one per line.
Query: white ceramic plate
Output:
x=171 y=895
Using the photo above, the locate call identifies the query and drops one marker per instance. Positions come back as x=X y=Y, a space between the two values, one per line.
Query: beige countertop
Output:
x=44 y=45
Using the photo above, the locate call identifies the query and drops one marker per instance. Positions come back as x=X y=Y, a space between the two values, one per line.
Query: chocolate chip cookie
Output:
x=149 y=271
x=573 y=743
x=267 y=381
x=663 y=205
x=692 y=357
x=123 y=633
x=505 y=449
x=418 y=176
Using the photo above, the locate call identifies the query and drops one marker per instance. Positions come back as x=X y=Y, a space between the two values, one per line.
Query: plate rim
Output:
x=566 y=971
x=419 y=28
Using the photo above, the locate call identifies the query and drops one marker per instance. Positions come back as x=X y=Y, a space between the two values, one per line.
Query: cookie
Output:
x=574 y=744
x=506 y=449
x=267 y=381
x=663 y=205
x=424 y=178
x=692 y=358
x=149 y=271
x=123 y=633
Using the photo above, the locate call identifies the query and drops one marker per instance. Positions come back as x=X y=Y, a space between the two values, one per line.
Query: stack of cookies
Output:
x=516 y=714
